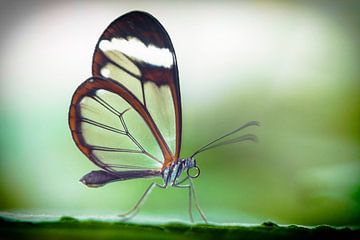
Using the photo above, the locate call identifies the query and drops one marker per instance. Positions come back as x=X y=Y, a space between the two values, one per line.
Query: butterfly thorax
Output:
x=171 y=175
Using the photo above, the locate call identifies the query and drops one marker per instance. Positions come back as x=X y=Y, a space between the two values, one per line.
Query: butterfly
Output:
x=126 y=118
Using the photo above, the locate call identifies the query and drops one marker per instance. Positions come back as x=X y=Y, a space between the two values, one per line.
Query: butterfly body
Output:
x=171 y=175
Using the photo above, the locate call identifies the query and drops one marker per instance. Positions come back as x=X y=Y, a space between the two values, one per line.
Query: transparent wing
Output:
x=136 y=52
x=113 y=129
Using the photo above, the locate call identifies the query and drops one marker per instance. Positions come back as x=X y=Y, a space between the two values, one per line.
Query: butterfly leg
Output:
x=192 y=189
x=133 y=211
x=190 y=197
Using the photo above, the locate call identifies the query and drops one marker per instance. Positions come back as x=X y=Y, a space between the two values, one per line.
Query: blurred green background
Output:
x=293 y=66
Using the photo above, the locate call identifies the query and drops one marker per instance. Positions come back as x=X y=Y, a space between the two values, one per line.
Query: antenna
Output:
x=242 y=138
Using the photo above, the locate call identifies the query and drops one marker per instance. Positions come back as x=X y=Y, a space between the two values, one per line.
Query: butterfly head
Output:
x=193 y=171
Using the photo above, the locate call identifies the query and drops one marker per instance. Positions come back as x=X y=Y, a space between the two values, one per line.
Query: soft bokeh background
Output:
x=292 y=66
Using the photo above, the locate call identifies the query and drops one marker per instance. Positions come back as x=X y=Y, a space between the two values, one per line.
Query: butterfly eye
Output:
x=193 y=172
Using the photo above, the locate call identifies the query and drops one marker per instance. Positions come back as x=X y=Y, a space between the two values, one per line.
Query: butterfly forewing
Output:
x=136 y=51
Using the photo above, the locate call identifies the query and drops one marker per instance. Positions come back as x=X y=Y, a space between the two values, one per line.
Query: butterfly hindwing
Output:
x=109 y=130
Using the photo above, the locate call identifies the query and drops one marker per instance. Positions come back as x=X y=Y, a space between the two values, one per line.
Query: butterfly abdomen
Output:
x=100 y=178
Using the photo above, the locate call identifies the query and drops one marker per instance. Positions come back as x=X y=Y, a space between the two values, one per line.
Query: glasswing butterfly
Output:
x=126 y=118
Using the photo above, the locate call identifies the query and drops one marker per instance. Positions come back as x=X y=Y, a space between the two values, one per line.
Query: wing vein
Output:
x=106 y=105
x=110 y=149
x=103 y=126
x=128 y=166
